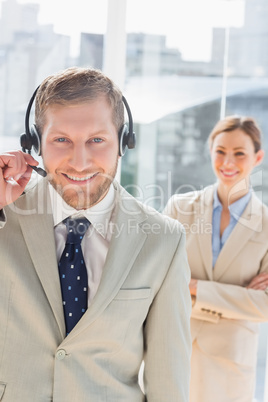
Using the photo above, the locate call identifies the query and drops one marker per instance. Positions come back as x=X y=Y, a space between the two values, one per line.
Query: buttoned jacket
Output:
x=225 y=316
x=141 y=312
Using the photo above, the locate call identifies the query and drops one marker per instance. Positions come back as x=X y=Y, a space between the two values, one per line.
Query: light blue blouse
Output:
x=236 y=209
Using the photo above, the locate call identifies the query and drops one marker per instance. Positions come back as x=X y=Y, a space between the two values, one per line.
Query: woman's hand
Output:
x=259 y=282
x=193 y=286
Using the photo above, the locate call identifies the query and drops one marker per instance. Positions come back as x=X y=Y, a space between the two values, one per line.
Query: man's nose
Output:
x=80 y=158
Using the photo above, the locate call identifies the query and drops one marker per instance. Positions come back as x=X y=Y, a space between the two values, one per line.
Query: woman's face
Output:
x=233 y=157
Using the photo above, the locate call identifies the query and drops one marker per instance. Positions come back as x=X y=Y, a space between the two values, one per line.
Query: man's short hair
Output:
x=77 y=85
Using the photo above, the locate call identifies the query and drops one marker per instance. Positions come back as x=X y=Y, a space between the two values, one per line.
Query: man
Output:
x=137 y=298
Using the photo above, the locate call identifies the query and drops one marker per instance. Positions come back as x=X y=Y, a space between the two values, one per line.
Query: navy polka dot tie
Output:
x=73 y=273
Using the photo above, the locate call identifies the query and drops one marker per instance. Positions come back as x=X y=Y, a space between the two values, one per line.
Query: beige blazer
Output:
x=225 y=315
x=140 y=312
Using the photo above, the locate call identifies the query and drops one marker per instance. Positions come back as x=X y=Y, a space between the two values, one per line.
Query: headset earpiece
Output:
x=33 y=140
x=24 y=142
x=122 y=136
x=126 y=135
x=36 y=139
x=131 y=142
x=125 y=140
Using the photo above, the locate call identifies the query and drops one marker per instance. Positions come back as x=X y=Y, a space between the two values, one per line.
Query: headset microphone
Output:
x=39 y=170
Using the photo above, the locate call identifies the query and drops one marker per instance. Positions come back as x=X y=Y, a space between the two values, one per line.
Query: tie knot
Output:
x=76 y=228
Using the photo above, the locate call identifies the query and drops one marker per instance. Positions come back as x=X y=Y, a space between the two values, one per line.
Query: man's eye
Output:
x=61 y=139
x=97 y=140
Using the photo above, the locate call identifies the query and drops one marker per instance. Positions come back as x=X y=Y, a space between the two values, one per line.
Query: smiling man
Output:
x=80 y=149
x=93 y=283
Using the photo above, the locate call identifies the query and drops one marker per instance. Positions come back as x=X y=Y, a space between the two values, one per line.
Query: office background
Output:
x=182 y=65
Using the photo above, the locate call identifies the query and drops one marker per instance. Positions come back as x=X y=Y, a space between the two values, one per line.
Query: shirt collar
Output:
x=216 y=201
x=236 y=208
x=99 y=215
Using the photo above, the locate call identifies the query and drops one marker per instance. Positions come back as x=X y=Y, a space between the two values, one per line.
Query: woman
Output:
x=227 y=244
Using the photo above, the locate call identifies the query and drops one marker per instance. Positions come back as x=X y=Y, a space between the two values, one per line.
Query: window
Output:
x=181 y=64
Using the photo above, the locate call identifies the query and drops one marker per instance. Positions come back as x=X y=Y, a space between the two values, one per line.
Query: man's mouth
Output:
x=80 y=178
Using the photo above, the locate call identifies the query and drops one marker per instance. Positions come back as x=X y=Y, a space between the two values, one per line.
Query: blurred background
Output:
x=182 y=65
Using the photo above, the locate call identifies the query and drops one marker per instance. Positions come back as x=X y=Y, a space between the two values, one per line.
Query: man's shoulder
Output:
x=153 y=220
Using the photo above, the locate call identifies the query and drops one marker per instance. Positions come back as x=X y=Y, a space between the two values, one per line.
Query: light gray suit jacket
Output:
x=140 y=312
x=225 y=315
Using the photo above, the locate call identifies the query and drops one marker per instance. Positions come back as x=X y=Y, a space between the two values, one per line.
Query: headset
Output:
x=32 y=139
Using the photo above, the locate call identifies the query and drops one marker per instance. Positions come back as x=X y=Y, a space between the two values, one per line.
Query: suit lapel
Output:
x=203 y=208
x=249 y=223
x=35 y=217
x=123 y=251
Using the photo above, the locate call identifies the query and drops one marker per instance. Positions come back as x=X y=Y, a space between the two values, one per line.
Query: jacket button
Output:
x=60 y=355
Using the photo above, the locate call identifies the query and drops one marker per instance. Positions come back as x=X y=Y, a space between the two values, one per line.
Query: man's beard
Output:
x=82 y=198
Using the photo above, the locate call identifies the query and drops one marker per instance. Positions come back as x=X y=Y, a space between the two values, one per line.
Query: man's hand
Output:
x=259 y=282
x=15 y=173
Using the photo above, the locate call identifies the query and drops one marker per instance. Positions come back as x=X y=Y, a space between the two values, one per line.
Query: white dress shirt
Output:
x=96 y=241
